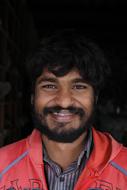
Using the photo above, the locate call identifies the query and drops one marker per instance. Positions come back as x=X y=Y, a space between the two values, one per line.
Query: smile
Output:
x=63 y=116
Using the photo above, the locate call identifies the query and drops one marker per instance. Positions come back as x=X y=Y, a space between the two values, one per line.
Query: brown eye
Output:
x=79 y=86
x=49 y=86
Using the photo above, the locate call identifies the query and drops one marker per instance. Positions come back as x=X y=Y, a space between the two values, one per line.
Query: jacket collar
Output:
x=34 y=143
x=105 y=148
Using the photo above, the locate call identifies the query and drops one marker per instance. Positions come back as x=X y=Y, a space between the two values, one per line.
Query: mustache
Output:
x=71 y=109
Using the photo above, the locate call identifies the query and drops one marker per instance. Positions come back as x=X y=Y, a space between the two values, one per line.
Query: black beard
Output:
x=64 y=136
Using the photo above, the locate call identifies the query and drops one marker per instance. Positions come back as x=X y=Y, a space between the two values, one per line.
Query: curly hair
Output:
x=64 y=51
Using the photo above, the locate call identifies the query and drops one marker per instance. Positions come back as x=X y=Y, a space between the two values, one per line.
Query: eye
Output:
x=49 y=87
x=79 y=86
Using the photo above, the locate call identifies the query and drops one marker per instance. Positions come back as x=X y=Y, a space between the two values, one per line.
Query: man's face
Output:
x=63 y=106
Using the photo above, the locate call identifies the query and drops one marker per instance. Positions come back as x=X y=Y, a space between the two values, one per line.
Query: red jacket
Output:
x=22 y=167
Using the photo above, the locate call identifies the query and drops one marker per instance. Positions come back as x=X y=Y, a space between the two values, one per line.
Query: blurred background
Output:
x=24 y=22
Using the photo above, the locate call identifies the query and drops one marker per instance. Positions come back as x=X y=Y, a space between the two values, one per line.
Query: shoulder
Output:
x=120 y=161
x=122 y=156
x=11 y=152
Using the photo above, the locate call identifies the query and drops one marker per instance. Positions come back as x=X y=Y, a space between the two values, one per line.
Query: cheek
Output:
x=87 y=101
x=41 y=101
x=88 y=106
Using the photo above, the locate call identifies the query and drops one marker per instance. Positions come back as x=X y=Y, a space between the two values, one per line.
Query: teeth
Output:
x=62 y=113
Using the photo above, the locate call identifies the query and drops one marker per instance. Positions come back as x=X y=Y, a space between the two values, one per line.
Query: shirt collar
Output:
x=85 y=152
x=87 y=149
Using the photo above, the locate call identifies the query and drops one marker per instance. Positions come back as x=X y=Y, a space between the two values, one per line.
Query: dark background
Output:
x=24 y=22
x=103 y=21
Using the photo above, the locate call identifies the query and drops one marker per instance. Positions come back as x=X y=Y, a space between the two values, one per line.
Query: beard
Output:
x=60 y=133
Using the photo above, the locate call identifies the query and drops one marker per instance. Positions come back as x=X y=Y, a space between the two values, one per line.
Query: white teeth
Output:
x=62 y=113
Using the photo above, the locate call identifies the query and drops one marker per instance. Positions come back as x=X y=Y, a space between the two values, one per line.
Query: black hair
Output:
x=65 y=50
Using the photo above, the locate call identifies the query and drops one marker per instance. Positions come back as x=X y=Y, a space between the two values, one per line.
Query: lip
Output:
x=63 y=117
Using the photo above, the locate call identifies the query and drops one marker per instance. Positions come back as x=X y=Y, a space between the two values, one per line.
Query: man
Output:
x=64 y=151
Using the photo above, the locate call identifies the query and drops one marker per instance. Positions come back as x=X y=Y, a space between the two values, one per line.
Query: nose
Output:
x=64 y=98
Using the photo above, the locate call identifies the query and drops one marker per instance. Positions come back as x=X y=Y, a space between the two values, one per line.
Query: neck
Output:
x=64 y=153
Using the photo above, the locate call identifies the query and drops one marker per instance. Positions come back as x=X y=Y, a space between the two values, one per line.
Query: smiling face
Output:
x=63 y=106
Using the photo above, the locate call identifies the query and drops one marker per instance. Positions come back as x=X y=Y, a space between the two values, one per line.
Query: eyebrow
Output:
x=46 y=79
x=54 y=80
x=78 y=80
